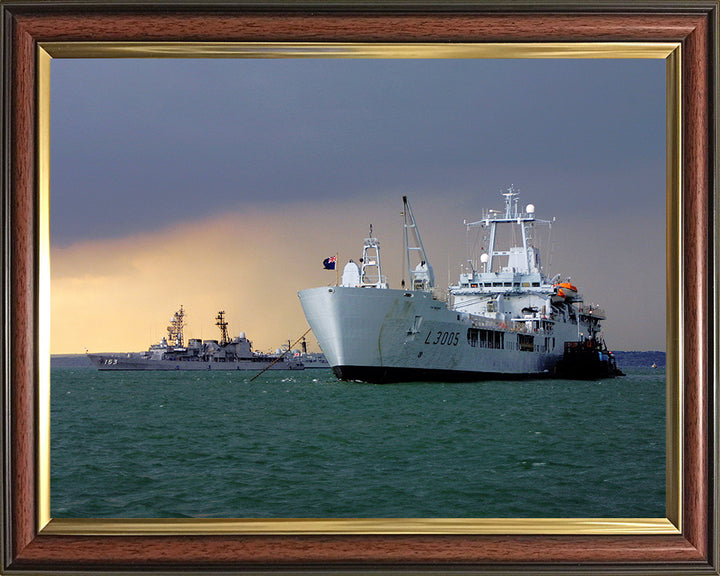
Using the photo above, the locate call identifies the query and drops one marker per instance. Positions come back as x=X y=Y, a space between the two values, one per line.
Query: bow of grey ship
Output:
x=502 y=320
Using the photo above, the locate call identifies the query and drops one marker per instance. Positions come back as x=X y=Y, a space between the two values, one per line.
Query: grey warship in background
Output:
x=171 y=353
x=504 y=319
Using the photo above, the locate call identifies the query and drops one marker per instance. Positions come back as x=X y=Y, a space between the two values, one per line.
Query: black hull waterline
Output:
x=388 y=375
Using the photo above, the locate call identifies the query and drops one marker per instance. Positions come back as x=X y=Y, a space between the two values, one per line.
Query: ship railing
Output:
x=518 y=325
x=523 y=329
x=374 y=281
x=482 y=322
x=591 y=310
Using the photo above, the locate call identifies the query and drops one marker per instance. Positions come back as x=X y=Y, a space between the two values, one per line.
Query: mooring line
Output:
x=280 y=357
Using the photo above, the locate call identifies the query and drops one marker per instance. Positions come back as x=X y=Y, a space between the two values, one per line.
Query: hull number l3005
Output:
x=443 y=338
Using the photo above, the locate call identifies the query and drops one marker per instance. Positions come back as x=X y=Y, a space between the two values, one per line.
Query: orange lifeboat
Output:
x=566 y=290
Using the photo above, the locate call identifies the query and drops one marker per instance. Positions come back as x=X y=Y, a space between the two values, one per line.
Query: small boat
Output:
x=566 y=290
x=310 y=360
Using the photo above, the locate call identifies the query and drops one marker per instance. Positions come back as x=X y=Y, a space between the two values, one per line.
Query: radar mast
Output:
x=371 y=272
x=223 y=325
x=524 y=258
x=175 y=330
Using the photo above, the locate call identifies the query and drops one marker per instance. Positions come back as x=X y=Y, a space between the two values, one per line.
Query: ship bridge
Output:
x=492 y=283
x=508 y=276
x=515 y=252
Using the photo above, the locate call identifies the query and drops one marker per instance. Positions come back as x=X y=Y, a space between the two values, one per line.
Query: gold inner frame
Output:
x=670 y=52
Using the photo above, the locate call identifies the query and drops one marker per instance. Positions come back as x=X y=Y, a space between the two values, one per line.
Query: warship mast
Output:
x=223 y=325
x=175 y=330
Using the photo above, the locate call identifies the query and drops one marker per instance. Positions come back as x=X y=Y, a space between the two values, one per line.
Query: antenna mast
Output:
x=175 y=330
x=370 y=269
x=223 y=325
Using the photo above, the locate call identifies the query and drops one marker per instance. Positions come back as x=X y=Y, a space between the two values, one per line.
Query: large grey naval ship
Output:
x=502 y=320
x=172 y=353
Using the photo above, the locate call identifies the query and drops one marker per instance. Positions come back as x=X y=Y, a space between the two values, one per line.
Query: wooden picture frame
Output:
x=686 y=542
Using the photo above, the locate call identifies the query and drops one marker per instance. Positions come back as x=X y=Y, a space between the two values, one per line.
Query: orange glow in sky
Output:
x=118 y=295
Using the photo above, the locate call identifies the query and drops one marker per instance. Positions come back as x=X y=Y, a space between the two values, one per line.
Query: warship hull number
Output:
x=443 y=338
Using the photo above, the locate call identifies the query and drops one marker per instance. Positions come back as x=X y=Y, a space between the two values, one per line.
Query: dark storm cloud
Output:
x=138 y=144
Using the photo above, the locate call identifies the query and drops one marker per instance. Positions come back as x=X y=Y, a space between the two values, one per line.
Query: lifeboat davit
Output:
x=565 y=290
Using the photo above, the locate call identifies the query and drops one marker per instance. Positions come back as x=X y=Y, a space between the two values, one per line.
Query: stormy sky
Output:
x=224 y=183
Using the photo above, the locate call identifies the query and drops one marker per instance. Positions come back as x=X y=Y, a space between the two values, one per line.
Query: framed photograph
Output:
x=680 y=36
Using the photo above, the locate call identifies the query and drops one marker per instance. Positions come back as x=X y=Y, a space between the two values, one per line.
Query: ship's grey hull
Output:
x=137 y=362
x=387 y=335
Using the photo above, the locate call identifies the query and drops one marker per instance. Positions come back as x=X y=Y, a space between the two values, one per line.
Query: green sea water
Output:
x=304 y=445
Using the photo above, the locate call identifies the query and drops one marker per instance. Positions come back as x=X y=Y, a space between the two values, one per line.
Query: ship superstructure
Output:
x=503 y=318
